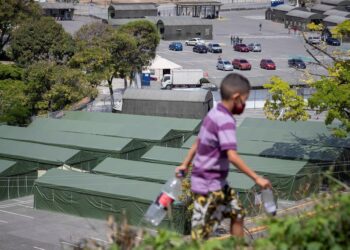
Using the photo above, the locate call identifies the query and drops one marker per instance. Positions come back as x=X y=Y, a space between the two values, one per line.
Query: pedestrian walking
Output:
x=231 y=39
x=260 y=26
x=212 y=153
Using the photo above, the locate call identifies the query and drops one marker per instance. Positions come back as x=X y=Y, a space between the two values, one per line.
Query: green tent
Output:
x=291 y=179
x=97 y=196
x=156 y=135
x=15 y=181
x=301 y=132
x=178 y=124
x=190 y=141
x=97 y=146
x=159 y=173
x=34 y=156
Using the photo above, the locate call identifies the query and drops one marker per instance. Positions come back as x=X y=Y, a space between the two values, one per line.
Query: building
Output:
x=278 y=13
x=331 y=21
x=59 y=11
x=182 y=28
x=203 y=9
x=321 y=8
x=132 y=10
x=300 y=19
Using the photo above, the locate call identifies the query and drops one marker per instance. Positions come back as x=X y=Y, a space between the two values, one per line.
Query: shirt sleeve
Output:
x=227 y=136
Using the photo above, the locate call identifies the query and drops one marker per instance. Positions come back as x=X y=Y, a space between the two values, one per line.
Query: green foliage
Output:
x=8 y=71
x=41 y=39
x=286 y=104
x=333 y=95
x=52 y=87
x=14 y=13
x=93 y=35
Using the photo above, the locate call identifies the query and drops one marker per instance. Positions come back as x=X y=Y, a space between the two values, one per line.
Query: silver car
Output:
x=194 y=41
x=224 y=65
x=255 y=47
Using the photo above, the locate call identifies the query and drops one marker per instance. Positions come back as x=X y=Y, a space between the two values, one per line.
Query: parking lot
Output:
x=277 y=44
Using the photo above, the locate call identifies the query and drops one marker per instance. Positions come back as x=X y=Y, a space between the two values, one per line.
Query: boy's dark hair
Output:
x=234 y=83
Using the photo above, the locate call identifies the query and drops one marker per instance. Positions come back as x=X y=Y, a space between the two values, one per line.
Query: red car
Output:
x=241 y=64
x=267 y=64
x=241 y=47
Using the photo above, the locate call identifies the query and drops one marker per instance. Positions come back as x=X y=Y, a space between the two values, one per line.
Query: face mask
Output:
x=238 y=108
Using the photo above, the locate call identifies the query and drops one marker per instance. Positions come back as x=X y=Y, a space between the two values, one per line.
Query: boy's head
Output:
x=235 y=91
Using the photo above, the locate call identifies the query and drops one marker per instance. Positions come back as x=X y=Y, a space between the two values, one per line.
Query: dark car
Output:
x=177 y=46
x=214 y=48
x=241 y=47
x=200 y=48
x=296 y=63
x=267 y=64
x=241 y=64
x=332 y=41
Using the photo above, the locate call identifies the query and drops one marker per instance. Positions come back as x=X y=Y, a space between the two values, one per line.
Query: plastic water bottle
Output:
x=171 y=191
x=269 y=202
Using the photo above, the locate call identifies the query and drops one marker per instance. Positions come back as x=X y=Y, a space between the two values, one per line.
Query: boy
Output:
x=214 y=149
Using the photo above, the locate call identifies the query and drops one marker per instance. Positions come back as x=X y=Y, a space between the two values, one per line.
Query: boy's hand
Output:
x=180 y=171
x=262 y=182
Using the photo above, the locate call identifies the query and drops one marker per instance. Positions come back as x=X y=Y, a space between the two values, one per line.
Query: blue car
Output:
x=332 y=41
x=177 y=46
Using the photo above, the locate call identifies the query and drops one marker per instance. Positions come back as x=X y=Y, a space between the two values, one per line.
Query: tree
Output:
x=14 y=13
x=41 y=39
x=332 y=92
x=52 y=87
x=92 y=35
x=13 y=101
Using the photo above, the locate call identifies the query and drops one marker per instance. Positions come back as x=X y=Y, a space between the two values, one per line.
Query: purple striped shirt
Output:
x=210 y=164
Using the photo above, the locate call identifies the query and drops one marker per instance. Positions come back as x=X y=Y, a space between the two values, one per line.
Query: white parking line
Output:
x=22 y=215
x=3 y=221
x=98 y=239
x=25 y=206
x=14 y=204
x=39 y=248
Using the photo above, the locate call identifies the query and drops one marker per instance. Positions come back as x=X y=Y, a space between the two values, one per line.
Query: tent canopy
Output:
x=190 y=141
x=162 y=63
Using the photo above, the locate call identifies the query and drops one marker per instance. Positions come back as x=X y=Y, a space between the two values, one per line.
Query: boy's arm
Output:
x=188 y=159
x=240 y=164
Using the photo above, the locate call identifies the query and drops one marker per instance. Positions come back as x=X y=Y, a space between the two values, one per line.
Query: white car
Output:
x=194 y=41
x=224 y=65
x=314 y=40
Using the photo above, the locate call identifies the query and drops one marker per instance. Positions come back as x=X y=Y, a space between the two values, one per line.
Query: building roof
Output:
x=335 y=19
x=190 y=141
x=122 y=21
x=336 y=2
x=168 y=95
x=133 y=6
x=334 y=12
x=303 y=14
x=322 y=7
x=5 y=165
x=199 y=3
x=180 y=20
x=58 y=6
x=284 y=7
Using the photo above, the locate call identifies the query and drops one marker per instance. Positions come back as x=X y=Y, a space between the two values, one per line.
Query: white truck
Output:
x=182 y=78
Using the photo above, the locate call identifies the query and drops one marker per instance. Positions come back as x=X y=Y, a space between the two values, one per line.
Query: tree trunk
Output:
x=125 y=83
x=111 y=91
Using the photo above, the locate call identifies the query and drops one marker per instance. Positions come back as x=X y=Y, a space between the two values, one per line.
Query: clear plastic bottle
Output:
x=171 y=191
x=269 y=202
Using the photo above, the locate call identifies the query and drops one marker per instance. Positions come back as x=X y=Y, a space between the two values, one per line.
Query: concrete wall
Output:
x=132 y=13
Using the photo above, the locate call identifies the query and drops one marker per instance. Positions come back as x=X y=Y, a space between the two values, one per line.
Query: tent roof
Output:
x=190 y=141
x=136 y=131
x=35 y=152
x=335 y=19
x=162 y=63
x=180 y=124
x=303 y=14
x=94 y=184
x=322 y=7
x=284 y=7
x=168 y=95
x=72 y=140
x=336 y=2
x=59 y=6
x=308 y=133
x=133 y=6
x=122 y=21
x=175 y=156
x=333 y=12
x=5 y=165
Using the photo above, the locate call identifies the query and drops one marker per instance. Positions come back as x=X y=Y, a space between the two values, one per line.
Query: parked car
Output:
x=296 y=63
x=224 y=65
x=177 y=46
x=314 y=40
x=332 y=41
x=241 y=47
x=194 y=41
x=214 y=48
x=254 y=47
x=200 y=48
x=241 y=64
x=267 y=64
